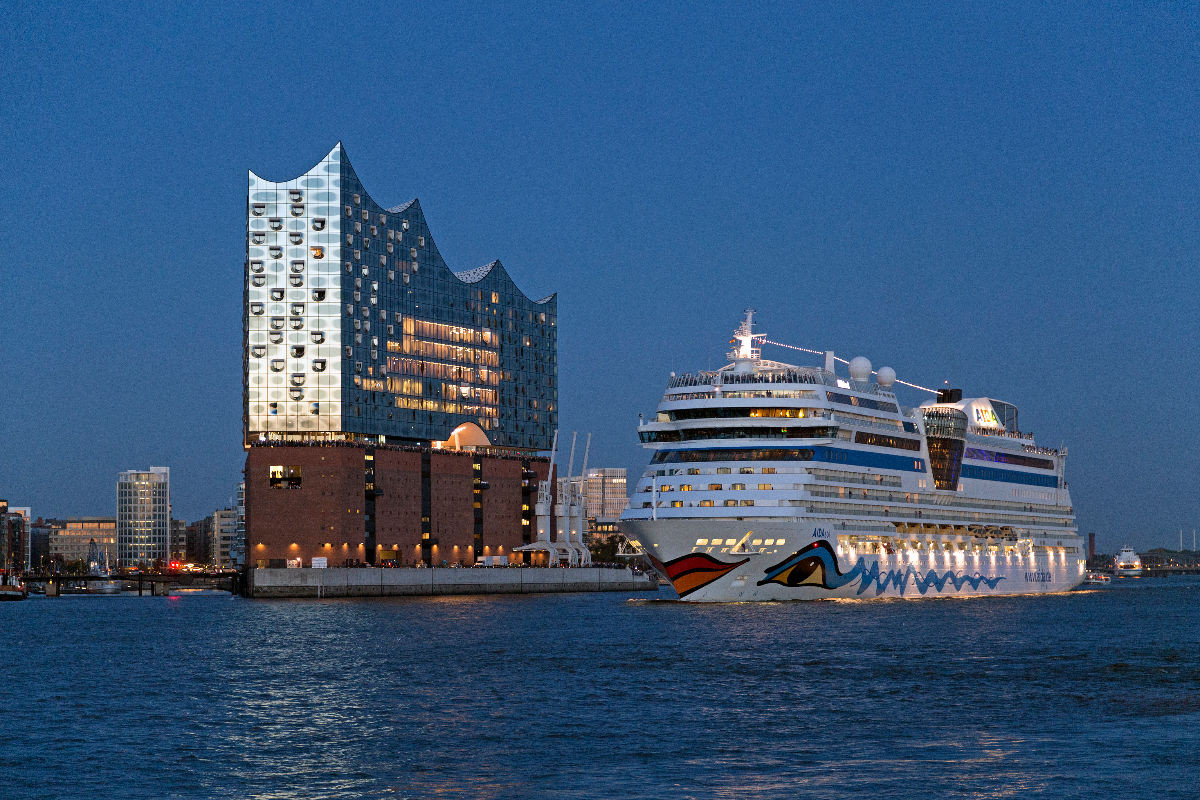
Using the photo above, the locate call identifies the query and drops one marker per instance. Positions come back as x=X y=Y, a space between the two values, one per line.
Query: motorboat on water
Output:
x=1127 y=564
x=1097 y=579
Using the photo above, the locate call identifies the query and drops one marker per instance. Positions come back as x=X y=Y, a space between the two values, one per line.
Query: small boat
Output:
x=98 y=567
x=11 y=587
x=1097 y=579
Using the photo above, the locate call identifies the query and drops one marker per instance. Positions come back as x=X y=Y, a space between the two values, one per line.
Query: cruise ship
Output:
x=770 y=481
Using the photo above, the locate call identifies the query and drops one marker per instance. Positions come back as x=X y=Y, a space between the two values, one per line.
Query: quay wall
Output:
x=369 y=582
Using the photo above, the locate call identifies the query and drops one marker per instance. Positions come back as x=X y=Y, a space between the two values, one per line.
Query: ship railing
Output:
x=804 y=375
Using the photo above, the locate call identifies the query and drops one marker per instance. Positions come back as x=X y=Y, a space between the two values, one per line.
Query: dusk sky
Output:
x=1007 y=199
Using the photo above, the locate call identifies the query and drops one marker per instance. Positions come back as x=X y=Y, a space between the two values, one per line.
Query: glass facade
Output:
x=143 y=516
x=355 y=327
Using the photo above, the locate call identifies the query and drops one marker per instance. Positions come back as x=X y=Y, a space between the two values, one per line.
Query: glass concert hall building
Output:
x=365 y=355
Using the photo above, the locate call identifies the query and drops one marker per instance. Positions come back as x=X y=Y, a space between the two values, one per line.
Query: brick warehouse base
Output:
x=315 y=501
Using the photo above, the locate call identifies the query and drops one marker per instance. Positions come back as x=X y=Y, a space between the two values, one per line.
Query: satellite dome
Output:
x=886 y=377
x=860 y=369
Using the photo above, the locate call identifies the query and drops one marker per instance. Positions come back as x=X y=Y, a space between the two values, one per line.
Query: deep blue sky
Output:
x=1005 y=199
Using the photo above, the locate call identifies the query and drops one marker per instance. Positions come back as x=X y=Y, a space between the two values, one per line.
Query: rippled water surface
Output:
x=1087 y=694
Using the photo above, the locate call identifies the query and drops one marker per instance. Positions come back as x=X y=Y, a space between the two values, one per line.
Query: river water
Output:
x=1086 y=694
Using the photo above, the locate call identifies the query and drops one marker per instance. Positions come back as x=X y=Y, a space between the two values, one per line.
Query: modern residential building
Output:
x=143 y=516
x=14 y=538
x=237 y=550
x=178 y=548
x=225 y=550
x=71 y=538
x=434 y=393
x=603 y=490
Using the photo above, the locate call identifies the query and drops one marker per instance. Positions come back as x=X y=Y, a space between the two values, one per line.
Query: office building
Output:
x=144 y=517
x=71 y=538
x=14 y=538
x=394 y=410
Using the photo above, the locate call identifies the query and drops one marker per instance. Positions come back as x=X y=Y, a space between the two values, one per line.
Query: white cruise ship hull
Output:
x=805 y=561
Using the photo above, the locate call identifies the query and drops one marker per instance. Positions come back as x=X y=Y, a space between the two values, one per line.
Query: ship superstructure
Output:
x=1127 y=564
x=771 y=481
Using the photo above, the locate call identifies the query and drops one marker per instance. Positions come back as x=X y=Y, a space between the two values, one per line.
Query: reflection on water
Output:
x=593 y=695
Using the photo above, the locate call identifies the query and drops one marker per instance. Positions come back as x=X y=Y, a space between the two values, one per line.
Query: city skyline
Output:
x=943 y=193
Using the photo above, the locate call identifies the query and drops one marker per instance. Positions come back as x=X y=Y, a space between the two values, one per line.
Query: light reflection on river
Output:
x=1077 y=695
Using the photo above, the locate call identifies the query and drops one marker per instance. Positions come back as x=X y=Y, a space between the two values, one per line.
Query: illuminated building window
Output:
x=318 y=295
x=277 y=294
x=256 y=266
x=318 y=224
x=289 y=477
x=276 y=223
x=258 y=209
x=295 y=281
x=317 y=252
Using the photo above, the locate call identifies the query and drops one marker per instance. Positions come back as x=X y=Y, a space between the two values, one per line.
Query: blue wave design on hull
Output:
x=816 y=565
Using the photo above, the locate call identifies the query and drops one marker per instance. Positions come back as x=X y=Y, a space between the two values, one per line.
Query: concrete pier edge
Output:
x=264 y=583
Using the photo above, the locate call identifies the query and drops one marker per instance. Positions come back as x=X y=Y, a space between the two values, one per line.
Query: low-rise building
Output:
x=71 y=538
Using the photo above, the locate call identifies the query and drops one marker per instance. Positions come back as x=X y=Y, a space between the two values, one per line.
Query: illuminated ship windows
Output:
x=276 y=223
x=296 y=238
x=258 y=237
x=297 y=379
x=316 y=252
x=765 y=487
x=318 y=224
x=731 y=502
x=297 y=351
x=295 y=281
x=258 y=350
x=259 y=280
x=258 y=209
x=685 y=487
x=318 y=337
x=277 y=294
x=276 y=252
x=318 y=295
x=723 y=470
x=706 y=503
x=768 y=470
x=737 y=487
x=275 y=337
x=276 y=365
x=296 y=323
x=676 y=504
x=318 y=365
x=714 y=487
x=256 y=266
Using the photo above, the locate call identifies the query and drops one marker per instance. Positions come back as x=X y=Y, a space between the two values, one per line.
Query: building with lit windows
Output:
x=72 y=538
x=143 y=516
x=387 y=398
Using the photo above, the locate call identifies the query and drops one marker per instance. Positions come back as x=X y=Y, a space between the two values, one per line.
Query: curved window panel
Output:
x=297 y=210
x=297 y=351
x=276 y=365
x=295 y=281
x=296 y=323
x=297 y=379
x=318 y=337
x=256 y=266
x=258 y=350
x=296 y=238
x=259 y=280
x=276 y=252
x=296 y=196
x=318 y=365
x=276 y=323
x=317 y=252
x=296 y=394
x=297 y=309
x=297 y=266
x=276 y=223
x=318 y=224
x=277 y=294
x=258 y=209
x=318 y=295
x=256 y=309
x=258 y=237
x=275 y=337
